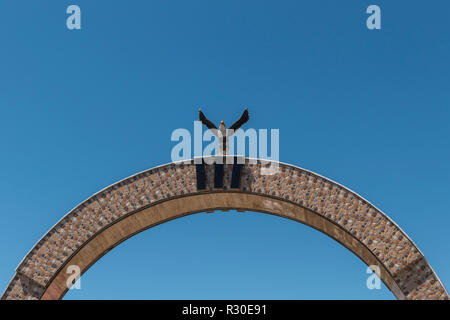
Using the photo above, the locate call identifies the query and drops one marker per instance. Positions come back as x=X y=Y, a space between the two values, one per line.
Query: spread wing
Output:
x=205 y=121
x=243 y=119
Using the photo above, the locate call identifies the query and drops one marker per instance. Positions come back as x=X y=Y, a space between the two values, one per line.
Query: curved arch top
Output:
x=174 y=190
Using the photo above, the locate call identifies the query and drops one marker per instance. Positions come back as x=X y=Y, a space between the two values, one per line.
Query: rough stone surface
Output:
x=375 y=230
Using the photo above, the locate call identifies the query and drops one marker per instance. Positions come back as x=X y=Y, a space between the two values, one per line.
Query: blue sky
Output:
x=83 y=109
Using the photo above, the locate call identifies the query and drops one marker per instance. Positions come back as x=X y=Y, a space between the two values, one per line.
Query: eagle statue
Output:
x=223 y=133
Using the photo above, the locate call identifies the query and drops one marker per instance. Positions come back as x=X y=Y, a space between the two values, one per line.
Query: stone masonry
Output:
x=372 y=228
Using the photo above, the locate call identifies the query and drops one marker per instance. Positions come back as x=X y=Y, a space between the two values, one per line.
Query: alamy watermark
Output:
x=373 y=281
x=235 y=141
x=374 y=20
x=74 y=280
x=73 y=21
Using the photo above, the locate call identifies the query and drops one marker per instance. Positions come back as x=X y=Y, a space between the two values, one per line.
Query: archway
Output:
x=171 y=191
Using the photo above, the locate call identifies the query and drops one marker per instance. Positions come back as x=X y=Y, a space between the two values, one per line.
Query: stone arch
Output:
x=174 y=190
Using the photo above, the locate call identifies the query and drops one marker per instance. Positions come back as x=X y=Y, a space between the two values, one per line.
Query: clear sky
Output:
x=83 y=109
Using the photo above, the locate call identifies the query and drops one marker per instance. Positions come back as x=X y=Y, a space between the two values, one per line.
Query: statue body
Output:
x=222 y=133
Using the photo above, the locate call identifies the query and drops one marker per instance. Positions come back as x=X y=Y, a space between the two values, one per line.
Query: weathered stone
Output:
x=169 y=191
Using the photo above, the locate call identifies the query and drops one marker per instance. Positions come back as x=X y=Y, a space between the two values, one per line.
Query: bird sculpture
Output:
x=223 y=133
